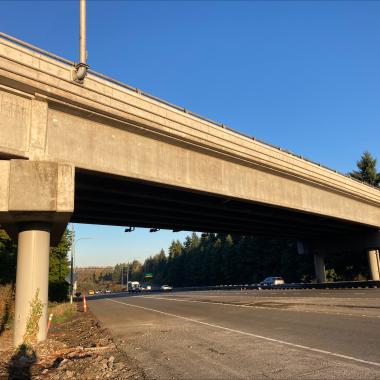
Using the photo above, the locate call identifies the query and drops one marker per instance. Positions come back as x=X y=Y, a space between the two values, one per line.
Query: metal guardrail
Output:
x=179 y=108
x=326 y=285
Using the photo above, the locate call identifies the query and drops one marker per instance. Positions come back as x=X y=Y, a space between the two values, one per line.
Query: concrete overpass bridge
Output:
x=102 y=152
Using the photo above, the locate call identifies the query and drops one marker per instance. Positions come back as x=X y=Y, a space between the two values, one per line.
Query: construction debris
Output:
x=76 y=349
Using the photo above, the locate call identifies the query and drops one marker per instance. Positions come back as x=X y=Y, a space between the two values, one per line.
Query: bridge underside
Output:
x=113 y=200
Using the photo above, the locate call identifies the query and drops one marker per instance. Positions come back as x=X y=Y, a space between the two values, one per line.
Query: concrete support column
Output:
x=374 y=264
x=319 y=266
x=32 y=277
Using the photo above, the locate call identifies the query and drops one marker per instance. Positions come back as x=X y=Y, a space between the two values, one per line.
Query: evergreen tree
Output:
x=58 y=265
x=367 y=170
x=59 y=268
x=8 y=258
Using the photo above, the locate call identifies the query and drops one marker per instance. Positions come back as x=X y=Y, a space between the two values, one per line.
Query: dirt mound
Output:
x=76 y=349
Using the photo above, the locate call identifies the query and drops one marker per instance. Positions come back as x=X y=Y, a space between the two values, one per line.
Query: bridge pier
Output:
x=32 y=280
x=374 y=264
x=319 y=267
x=36 y=203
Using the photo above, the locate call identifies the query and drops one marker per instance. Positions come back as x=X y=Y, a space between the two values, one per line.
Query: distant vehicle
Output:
x=97 y=291
x=91 y=292
x=272 y=281
x=134 y=287
x=108 y=290
x=166 y=288
x=148 y=287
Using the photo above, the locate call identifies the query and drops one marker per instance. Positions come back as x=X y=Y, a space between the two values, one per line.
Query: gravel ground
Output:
x=76 y=349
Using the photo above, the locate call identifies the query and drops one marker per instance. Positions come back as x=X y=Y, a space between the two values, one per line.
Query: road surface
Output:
x=307 y=334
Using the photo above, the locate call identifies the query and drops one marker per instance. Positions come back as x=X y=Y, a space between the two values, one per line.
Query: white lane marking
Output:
x=172 y=298
x=341 y=356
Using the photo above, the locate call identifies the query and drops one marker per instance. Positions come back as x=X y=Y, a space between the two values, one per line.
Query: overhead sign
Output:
x=148 y=275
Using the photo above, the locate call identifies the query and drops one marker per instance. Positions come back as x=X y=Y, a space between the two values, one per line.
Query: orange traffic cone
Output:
x=84 y=304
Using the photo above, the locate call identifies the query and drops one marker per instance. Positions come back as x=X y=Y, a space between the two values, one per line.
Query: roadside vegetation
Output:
x=62 y=312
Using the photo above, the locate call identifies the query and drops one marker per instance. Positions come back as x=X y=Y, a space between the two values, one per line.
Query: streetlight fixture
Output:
x=82 y=67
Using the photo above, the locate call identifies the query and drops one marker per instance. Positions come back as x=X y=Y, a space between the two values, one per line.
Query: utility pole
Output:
x=122 y=274
x=127 y=275
x=72 y=263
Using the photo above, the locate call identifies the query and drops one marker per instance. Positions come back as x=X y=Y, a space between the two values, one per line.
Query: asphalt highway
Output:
x=276 y=334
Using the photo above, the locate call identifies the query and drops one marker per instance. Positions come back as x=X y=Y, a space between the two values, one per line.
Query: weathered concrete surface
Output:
x=106 y=128
x=374 y=264
x=32 y=283
x=36 y=191
x=319 y=266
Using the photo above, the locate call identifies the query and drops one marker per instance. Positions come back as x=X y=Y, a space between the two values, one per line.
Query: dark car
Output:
x=272 y=281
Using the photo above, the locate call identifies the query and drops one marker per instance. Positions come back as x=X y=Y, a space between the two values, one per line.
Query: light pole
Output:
x=130 y=229
x=72 y=260
x=122 y=274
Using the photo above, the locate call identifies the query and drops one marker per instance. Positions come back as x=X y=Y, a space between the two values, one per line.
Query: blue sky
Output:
x=302 y=75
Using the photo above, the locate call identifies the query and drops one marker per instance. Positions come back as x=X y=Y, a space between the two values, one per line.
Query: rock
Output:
x=69 y=374
x=119 y=366
x=105 y=364
x=110 y=362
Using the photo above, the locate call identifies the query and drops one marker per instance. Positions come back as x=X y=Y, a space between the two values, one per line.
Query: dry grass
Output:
x=62 y=311
x=6 y=306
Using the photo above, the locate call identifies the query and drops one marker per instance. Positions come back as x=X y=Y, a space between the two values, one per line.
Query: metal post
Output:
x=72 y=264
x=122 y=275
x=81 y=68
x=82 y=32
x=127 y=275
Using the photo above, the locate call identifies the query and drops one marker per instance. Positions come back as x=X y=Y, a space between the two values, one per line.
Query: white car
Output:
x=166 y=288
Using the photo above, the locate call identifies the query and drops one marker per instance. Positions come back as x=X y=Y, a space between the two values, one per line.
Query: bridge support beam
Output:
x=32 y=281
x=36 y=203
x=374 y=264
x=319 y=267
